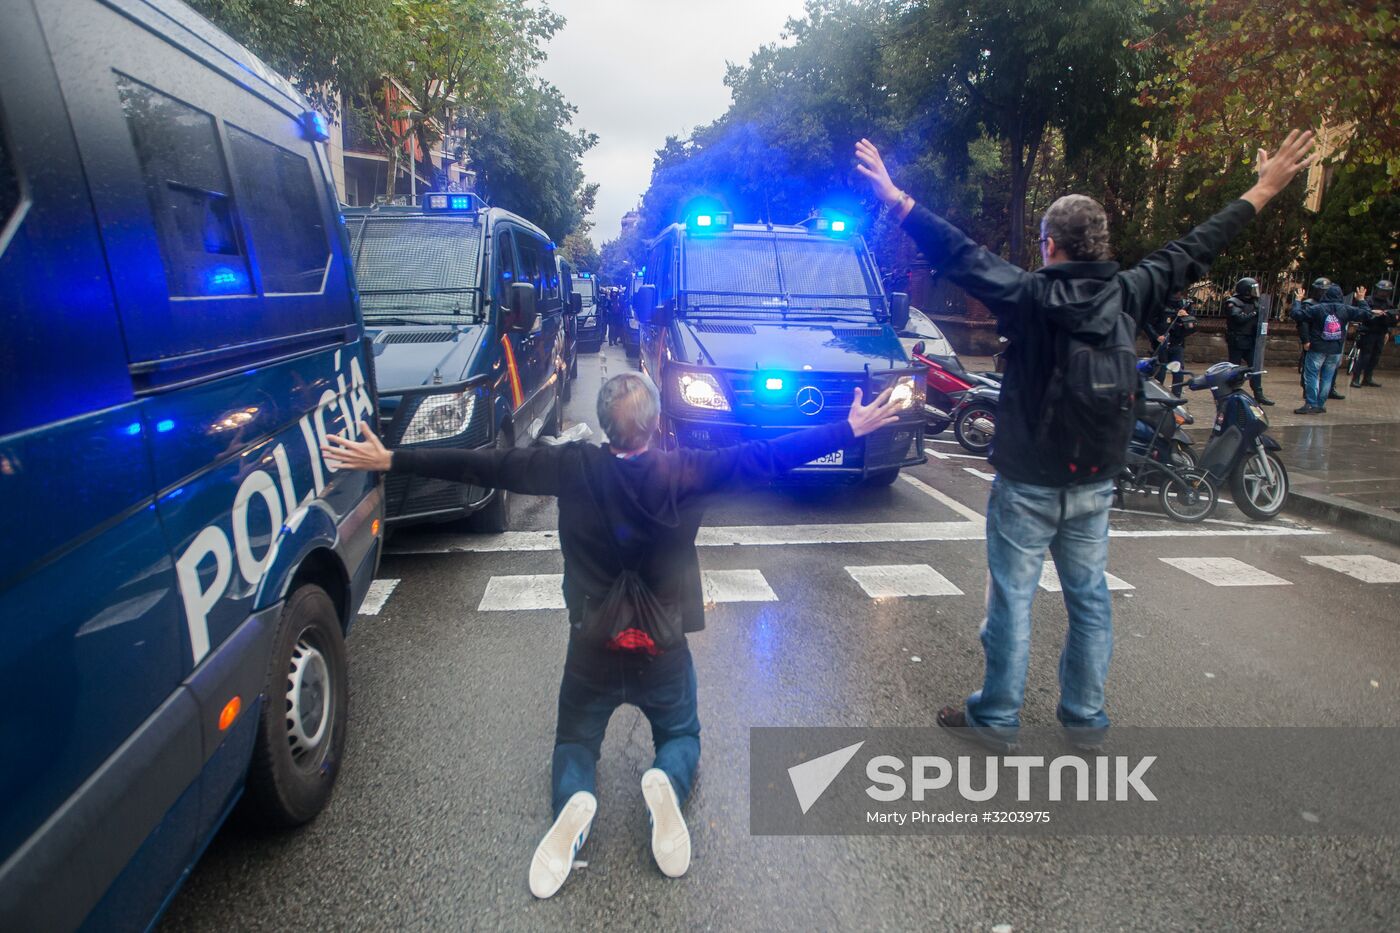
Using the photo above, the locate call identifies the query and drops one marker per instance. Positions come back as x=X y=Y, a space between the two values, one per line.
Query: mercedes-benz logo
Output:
x=810 y=400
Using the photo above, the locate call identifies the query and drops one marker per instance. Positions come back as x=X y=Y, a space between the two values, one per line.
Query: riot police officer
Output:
x=1242 y=330
x=1169 y=328
x=1373 y=333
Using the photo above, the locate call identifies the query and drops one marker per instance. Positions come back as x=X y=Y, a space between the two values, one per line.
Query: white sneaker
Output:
x=670 y=840
x=554 y=856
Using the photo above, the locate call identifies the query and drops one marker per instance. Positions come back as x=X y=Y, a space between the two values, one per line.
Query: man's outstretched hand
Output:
x=369 y=454
x=1280 y=168
x=869 y=164
x=867 y=419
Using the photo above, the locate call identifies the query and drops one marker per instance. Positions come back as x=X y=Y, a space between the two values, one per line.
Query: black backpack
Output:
x=1086 y=421
x=629 y=617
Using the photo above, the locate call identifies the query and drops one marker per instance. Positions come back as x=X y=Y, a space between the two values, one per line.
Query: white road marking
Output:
x=966 y=512
x=736 y=586
x=882 y=581
x=1278 y=531
x=1224 y=571
x=873 y=533
x=980 y=474
x=527 y=591
x=1050 y=580
x=940 y=440
x=377 y=595
x=1368 y=568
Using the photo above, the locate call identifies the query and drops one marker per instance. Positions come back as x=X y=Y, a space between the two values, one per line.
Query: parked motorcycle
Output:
x=948 y=384
x=1158 y=456
x=1167 y=442
x=1240 y=451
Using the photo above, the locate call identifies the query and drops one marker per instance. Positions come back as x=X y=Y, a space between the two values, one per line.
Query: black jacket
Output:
x=1083 y=297
x=1376 y=327
x=654 y=502
x=1312 y=324
x=1166 y=323
x=1242 y=324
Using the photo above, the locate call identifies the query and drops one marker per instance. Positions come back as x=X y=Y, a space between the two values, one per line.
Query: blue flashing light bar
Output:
x=313 y=127
x=164 y=425
x=711 y=221
x=773 y=384
x=586 y=275
x=451 y=202
x=829 y=225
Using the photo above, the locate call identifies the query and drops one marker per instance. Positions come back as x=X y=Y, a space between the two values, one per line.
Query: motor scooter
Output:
x=1240 y=450
x=948 y=383
x=1160 y=429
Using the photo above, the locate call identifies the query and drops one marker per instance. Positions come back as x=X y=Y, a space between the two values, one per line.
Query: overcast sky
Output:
x=642 y=70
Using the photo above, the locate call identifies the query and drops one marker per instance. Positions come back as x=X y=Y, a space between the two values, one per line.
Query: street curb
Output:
x=1353 y=516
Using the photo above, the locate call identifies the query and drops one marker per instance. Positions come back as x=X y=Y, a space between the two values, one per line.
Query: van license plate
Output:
x=836 y=458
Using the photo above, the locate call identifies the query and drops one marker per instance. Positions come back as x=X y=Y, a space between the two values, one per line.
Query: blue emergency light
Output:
x=450 y=202
x=313 y=127
x=586 y=275
x=829 y=225
x=773 y=384
x=710 y=221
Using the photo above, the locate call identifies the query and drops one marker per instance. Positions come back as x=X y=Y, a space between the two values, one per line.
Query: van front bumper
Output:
x=900 y=445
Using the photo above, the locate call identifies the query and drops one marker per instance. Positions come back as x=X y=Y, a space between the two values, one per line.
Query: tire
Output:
x=972 y=439
x=573 y=365
x=555 y=422
x=1251 y=489
x=936 y=426
x=300 y=744
x=1188 y=497
x=882 y=478
x=566 y=390
x=1183 y=457
x=494 y=517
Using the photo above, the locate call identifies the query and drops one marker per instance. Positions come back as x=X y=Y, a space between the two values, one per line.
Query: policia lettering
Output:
x=283 y=506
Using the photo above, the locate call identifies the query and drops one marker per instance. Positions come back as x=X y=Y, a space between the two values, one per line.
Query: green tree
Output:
x=528 y=157
x=1351 y=248
x=578 y=249
x=1250 y=69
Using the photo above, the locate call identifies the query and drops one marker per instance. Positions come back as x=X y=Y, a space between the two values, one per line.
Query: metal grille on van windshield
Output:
x=759 y=276
x=416 y=268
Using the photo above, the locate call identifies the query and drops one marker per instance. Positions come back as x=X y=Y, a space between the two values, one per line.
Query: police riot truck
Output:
x=178 y=336
x=754 y=330
x=464 y=305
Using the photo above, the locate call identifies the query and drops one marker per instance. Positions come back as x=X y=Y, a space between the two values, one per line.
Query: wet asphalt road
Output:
x=445 y=790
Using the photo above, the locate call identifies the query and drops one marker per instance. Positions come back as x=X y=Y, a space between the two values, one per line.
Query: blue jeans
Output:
x=1022 y=522
x=596 y=682
x=1319 y=369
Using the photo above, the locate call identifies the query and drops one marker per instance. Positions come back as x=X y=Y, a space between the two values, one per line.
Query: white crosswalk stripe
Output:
x=882 y=581
x=376 y=596
x=525 y=591
x=1224 y=571
x=1368 y=568
x=736 y=586
x=1050 y=580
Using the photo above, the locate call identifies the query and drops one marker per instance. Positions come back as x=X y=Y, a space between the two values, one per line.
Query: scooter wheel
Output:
x=1259 y=485
x=1187 y=496
x=936 y=426
x=975 y=426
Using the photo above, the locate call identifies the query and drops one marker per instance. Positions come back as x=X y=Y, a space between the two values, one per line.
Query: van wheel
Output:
x=494 y=518
x=300 y=744
x=566 y=390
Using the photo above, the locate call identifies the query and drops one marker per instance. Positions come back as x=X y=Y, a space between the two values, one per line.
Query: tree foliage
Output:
x=1356 y=249
x=1244 y=70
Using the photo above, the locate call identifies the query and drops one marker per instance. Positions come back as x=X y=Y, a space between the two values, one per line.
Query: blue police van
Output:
x=178 y=335
x=465 y=312
x=754 y=330
x=591 y=325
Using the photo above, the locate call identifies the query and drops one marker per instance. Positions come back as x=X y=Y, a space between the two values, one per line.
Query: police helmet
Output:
x=1319 y=287
x=1384 y=287
x=1247 y=288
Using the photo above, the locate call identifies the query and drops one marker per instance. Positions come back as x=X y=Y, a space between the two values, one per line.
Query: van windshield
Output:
x=413 y=269
x=789 y=277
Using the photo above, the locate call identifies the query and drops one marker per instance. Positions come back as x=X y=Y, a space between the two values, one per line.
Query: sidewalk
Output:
x=1344 y=466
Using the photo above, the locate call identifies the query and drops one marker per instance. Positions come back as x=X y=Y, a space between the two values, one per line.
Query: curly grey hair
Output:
x=629 y=410
x=1079 y=226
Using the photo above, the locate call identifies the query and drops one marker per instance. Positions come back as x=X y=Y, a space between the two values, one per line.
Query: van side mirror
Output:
x=899 y=310
x=919 y=348
x=522 y=307
x=575 y=304
x=644 y=303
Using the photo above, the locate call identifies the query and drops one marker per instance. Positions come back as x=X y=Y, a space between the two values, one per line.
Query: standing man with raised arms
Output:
x=1054 y=452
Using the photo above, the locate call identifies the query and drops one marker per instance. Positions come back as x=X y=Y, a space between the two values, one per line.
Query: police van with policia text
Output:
x=755 y=330
x=464 y=304
x=178 y=336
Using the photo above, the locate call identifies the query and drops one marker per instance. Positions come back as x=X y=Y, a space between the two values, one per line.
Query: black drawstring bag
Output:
x=629 y=617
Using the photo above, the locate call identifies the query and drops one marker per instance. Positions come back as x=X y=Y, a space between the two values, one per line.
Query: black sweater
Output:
x=1083 y=297
x=655 y=502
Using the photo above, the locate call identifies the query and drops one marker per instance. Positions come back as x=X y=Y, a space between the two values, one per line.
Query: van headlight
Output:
x=441 y=416
x=907 y=393
x=702 y=390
